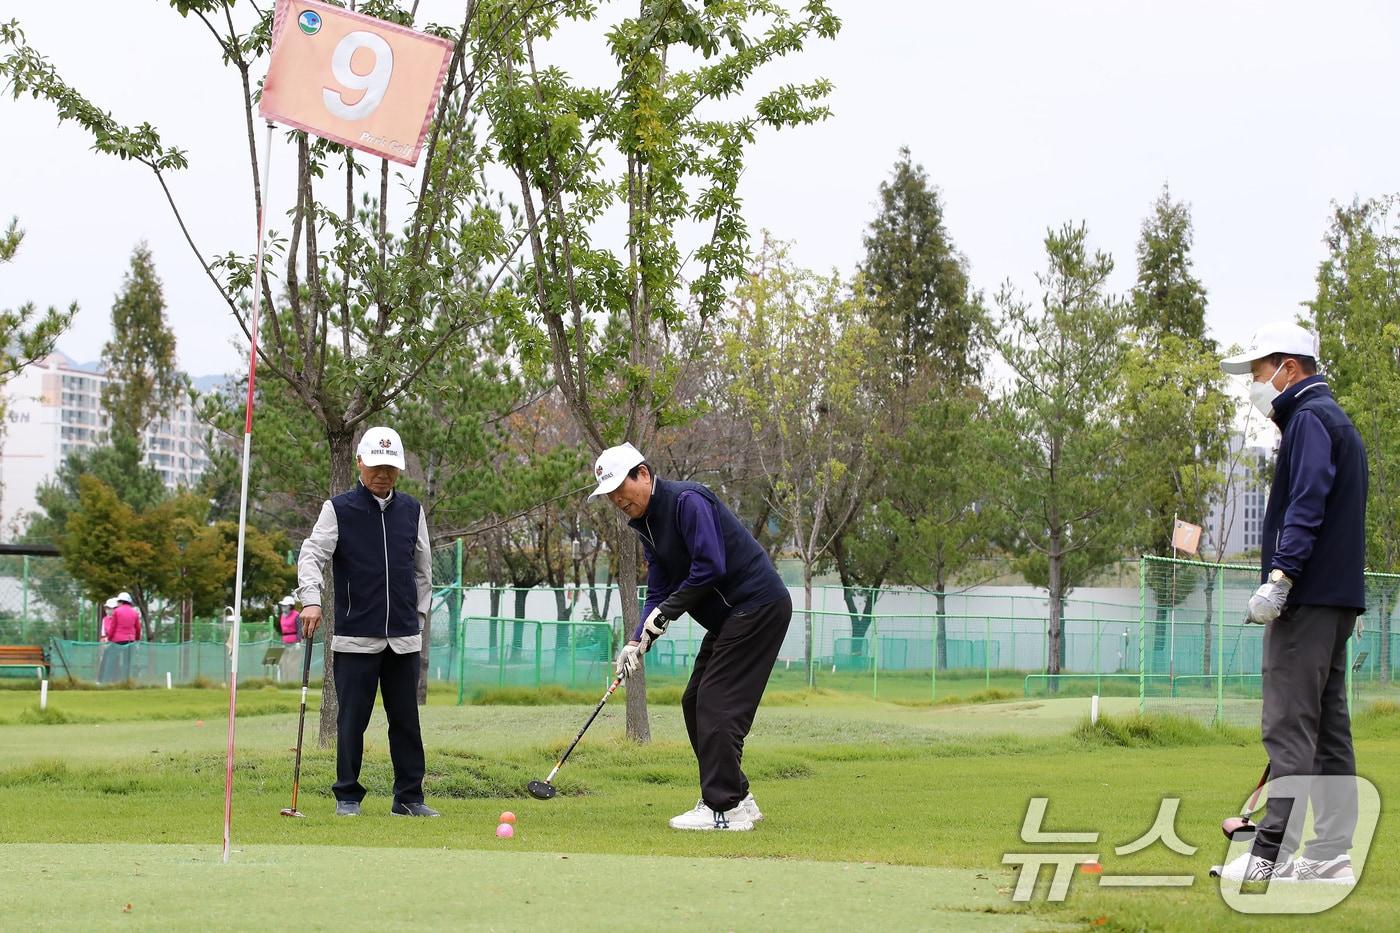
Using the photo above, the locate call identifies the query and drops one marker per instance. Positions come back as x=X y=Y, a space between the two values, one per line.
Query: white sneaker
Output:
x=1324 y=871
x=750 y=806
x=1246 y=868
x=702 y=817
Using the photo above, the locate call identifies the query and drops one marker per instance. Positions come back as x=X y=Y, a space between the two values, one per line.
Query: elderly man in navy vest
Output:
x=701 y=560
x=1313 y=588
x=377 y=540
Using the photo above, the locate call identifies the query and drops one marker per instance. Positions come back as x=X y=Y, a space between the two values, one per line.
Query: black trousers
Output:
x=1307 y=729
x=395 y=676
x=731 y=671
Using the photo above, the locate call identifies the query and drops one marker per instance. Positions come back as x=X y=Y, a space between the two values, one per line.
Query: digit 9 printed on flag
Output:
x=353 y=79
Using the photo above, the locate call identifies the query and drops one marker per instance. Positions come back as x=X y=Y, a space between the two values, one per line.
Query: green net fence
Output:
x=1198 y=657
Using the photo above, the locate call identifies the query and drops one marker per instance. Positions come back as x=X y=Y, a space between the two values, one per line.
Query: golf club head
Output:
x=541 y=790
x=288 y=811
x=1237 y=824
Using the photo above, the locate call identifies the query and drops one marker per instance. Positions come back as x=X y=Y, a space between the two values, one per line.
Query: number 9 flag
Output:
x=353 y=79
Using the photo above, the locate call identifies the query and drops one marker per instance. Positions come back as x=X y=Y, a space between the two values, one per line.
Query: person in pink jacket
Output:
x=288 y=621
x=125 y=628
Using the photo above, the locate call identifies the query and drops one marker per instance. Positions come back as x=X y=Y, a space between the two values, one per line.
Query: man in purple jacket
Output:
x=701 y=560
x=1313 y=561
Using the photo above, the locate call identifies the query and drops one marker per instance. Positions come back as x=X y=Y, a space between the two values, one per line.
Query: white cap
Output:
x=381 y=447
x=1278 y=337
x=123 y=597
x=110 y=604
x=287 y=601
x=612 y=467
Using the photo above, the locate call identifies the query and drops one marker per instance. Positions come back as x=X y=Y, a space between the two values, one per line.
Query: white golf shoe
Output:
x=750 y=806
x=702 y=817
x=1322 y=871
x=1246 y=868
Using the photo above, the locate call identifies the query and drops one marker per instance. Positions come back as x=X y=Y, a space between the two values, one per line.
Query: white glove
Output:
x=1268 y=601
x=629 y=660
x=653 y=628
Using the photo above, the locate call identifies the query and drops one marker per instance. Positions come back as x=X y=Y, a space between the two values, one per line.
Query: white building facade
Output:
x=1237 y=516
x=54 y=408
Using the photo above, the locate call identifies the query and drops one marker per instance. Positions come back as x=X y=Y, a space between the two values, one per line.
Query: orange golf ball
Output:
x=508 y=817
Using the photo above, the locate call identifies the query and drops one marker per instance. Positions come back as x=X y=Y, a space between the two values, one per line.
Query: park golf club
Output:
x=1233 y=825
x=543 y=790
x=301 y=730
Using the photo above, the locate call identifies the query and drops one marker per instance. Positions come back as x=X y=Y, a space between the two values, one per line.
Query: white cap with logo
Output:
x=1279 y=337
x=612 y=467
x=381 y=447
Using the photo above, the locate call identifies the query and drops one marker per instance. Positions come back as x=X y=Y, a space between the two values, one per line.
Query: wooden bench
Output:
x=34 y=656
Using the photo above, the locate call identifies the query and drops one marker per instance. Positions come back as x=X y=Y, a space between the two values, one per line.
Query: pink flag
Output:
x=353 y=79
x=1186 y=537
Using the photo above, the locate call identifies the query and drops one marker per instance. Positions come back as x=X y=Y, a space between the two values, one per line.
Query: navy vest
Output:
x=749 y=579
x=1334 y=575
x=376 y=594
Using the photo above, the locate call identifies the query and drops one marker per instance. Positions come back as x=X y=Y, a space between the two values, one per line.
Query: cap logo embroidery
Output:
x=386 y=443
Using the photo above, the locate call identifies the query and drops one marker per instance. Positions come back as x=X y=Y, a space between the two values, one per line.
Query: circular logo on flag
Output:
x=310 y=22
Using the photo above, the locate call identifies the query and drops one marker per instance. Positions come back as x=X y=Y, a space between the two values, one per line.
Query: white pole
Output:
x=1094 y=709
x=168 y=684
x=243 y=494
x=43 y=695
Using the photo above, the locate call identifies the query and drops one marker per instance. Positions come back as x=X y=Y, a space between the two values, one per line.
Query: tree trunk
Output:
x=638 y=722
x=1054 y=631
x=562 y=613
x=517 y=634
x=807 y=604
x=1211 y=574
x=941 y=610
x=1387 y=602
x=423 y=658
x=342 y=451
x=493 y=646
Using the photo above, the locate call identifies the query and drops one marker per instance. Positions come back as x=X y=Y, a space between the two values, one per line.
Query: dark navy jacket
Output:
x=700 y=557
x=1315 y=523
x=376 y=593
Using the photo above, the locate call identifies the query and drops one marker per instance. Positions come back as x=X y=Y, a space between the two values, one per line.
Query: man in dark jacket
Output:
x=377 y=540
x=1313 y=588
x=701 y=560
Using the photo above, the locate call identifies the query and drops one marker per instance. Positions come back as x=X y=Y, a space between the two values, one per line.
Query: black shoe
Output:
x=347 y=808
x=412 y=809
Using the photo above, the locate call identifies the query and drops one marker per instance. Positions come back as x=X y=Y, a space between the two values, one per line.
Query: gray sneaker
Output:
x=412 y=809
x=347 y=808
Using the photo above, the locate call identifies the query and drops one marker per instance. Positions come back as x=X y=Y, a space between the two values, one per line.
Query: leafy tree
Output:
x=143 y=380
x=920 y=294
x=798 y=350
x=1357 y=311
x=26 y=334
x=643 y=149
x=1176 y=409
x=1063 y=480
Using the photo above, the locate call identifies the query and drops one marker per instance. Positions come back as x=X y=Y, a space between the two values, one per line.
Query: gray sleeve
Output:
x=423 y=569
x=315 y=551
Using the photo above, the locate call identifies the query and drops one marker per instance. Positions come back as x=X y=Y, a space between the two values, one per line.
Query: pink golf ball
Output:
x=505 y=831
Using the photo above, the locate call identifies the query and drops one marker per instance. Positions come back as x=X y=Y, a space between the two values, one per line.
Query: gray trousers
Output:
x=1307 y=729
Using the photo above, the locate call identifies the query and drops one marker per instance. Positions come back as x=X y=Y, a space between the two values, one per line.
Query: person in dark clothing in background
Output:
x=1313 y=589
x=701 y=560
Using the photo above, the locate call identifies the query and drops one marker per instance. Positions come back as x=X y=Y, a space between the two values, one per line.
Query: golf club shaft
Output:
x=596 y=710
x=308 y=645
x=1254 y=797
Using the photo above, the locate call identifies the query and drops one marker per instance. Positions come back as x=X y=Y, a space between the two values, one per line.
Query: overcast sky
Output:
x=1026 y=115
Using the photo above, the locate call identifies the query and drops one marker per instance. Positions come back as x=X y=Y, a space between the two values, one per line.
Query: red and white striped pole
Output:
x=243 y=494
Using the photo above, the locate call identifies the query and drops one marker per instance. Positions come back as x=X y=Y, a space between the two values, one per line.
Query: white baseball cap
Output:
x=110 y=604
x=381 y=447
x=287 y=601
x=1277 y=337
x=123 y=597
x=612 y=467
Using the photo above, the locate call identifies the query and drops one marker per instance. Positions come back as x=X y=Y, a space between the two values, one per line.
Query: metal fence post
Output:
x=1142 y=641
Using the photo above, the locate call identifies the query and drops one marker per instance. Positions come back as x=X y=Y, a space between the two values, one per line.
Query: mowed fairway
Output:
x=876 y=814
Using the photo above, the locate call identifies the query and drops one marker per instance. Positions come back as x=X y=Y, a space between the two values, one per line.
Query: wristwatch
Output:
x=1278 y=576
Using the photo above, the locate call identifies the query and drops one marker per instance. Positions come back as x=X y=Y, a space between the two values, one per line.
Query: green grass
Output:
x=929 y=797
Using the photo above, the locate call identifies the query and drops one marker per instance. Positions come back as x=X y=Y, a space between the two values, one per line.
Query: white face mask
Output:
x=1262 y=394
